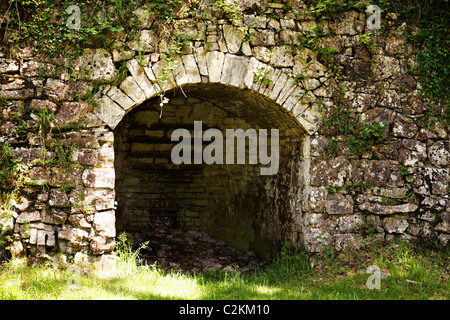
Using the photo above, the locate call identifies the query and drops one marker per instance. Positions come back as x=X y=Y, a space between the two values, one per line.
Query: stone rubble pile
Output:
x=190 y=251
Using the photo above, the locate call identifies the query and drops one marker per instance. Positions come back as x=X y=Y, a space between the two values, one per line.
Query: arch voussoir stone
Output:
x=120 y=97
x=133 y=90
x=142 y=79
x=109 y=111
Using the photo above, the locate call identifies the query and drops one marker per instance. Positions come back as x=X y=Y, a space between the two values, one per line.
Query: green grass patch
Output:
x=413 y=274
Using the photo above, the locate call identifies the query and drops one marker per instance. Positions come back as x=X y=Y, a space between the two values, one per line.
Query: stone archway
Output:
x=233 y=202
x=226 y=93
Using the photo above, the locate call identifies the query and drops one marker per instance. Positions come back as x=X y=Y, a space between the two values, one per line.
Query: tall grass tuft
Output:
x=126 y=257
x=287 y=264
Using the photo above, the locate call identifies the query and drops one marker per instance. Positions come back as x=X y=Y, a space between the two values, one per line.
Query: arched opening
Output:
x=232 y=203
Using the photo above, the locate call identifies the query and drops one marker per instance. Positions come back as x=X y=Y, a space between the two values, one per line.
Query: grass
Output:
x=414 y=274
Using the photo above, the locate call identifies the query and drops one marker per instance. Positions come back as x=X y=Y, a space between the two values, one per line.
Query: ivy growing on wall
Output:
x=43 y=23
x=427 y=28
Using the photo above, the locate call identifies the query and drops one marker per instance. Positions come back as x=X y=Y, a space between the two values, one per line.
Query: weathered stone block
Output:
x=109 y=112
x=262 y=53
x=38 y=176
x=58 y=199
x=88 y=157
x=314 y=199
x=390 y=99
x=372 y=172
x=179 y=72
x=439 y=153
x=100 y=245
x=145 y=41
x=133 y=90
x=105 y=223
x=99 y=178
x=36 y=69
x=316 y=239
x=348 y=24
x=75 y=236
x=41 y=104
x=21 y=94
x=95 y=65
x=141 y=79
x=233 y=38
x=104 y=264
x=7 y=128
x=321 y=221
x=9 y=66
x=404 y=127
x=338 y=204
x=55 y=216
x=412 y=151
x=61 y=176
x=246 y=49
x=262 y=38
x=444 y=239
x=191 y=68
x=349 y=222
x=329 y=172
x=440 y=184
x=79 y=220
x=214 y=61
x=395 y=225
x=377 y=208
x=251 y=20
x=106 y=155
x=249 y=78
x=16 y=84
x=200 y=58
x=306 y=63
x=164 y=77
x=71 y=114
x=33 y=235
x=46 y=238
x=101 y=199
x=29 y=217
x=348 y=242
x=384 y=67
x=281 y=57
x=61 y=91
x=119 y=97
x=234 y=70
x=278 y=86
x=356 y=69
x=121 y=52
x=395 y=193
x=22 y=203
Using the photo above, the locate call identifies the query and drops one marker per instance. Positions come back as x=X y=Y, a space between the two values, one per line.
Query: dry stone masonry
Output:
x=102 y=165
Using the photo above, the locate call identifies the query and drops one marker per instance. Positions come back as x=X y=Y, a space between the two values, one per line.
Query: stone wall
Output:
x=63 y=200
